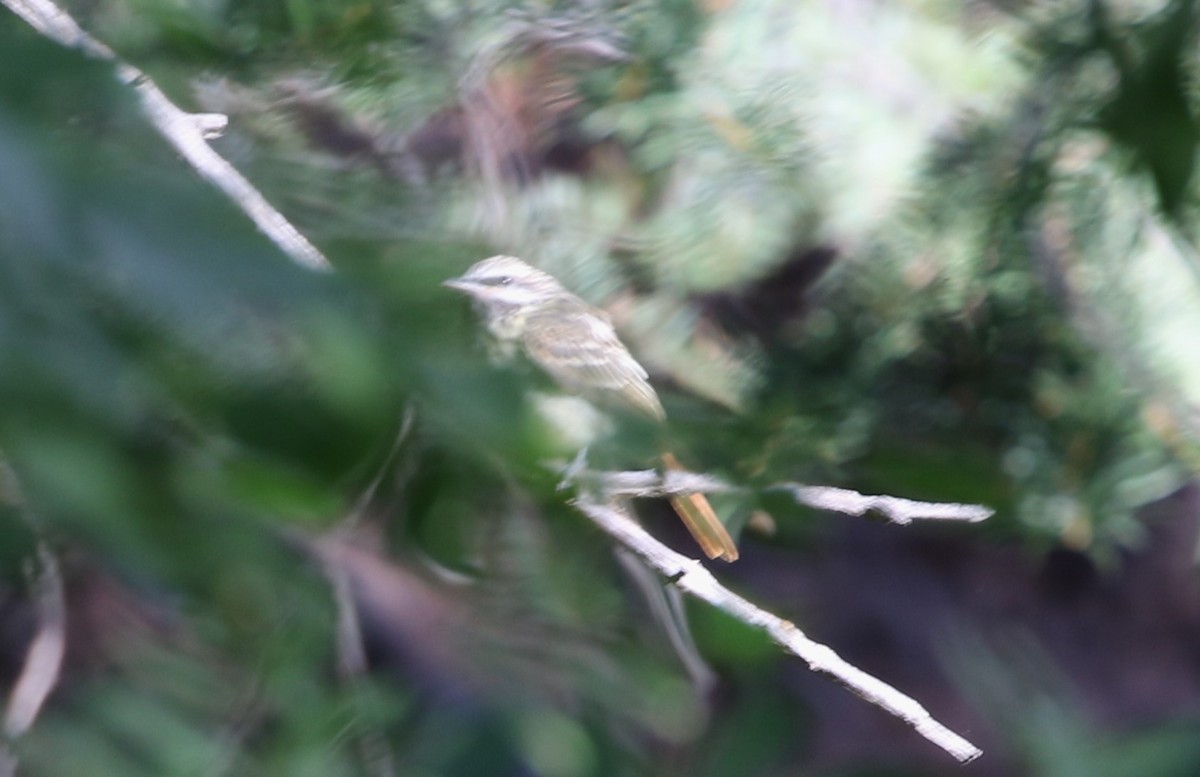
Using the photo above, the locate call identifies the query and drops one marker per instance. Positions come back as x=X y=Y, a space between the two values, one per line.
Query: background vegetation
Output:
x=939 y=250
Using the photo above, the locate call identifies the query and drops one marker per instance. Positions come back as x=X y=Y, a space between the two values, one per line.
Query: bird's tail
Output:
x=700 y=519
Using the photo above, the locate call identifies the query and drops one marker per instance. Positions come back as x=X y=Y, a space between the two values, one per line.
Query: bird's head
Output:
x=505 y=282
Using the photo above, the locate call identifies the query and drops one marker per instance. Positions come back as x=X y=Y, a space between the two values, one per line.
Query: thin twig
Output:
x=407 y=422
x=187 y=132
x=692 y=577
x=894 y=508
x=352 y=662
x=666 y=605
x=650 y=483
x=43 y=661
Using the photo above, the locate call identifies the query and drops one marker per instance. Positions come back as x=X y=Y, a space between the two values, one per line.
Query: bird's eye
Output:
x=504 y=280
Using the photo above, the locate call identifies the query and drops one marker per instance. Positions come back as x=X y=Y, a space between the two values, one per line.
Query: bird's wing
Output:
x=579 y=349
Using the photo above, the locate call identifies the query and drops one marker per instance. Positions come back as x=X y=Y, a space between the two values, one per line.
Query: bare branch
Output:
x=650 y=483
x=896 y=509
x=57 y=24
x=407 y=422
x=693 y=578
x=187 y=132
x=352 y=661
x=43 y=661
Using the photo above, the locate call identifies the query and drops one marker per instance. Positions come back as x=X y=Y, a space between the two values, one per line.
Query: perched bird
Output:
x=527 y=311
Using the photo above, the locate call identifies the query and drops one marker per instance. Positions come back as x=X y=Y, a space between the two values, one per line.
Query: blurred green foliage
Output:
x=1011 y=319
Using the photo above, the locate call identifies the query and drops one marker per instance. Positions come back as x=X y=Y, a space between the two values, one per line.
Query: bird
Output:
x=527 y=311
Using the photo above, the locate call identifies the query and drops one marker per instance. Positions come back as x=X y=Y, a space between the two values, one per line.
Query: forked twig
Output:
x=189 y=133
x=692 y=577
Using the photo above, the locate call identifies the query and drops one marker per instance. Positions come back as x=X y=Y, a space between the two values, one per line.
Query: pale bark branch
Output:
x=651 y=483
x=187 y=132
x=43 y=659
x=894 y=508
x=693 y=578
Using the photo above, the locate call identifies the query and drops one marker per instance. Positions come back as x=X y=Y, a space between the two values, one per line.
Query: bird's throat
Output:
x=505 y=326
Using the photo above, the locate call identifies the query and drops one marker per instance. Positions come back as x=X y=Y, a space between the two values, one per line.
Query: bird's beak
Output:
x=458 y=284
